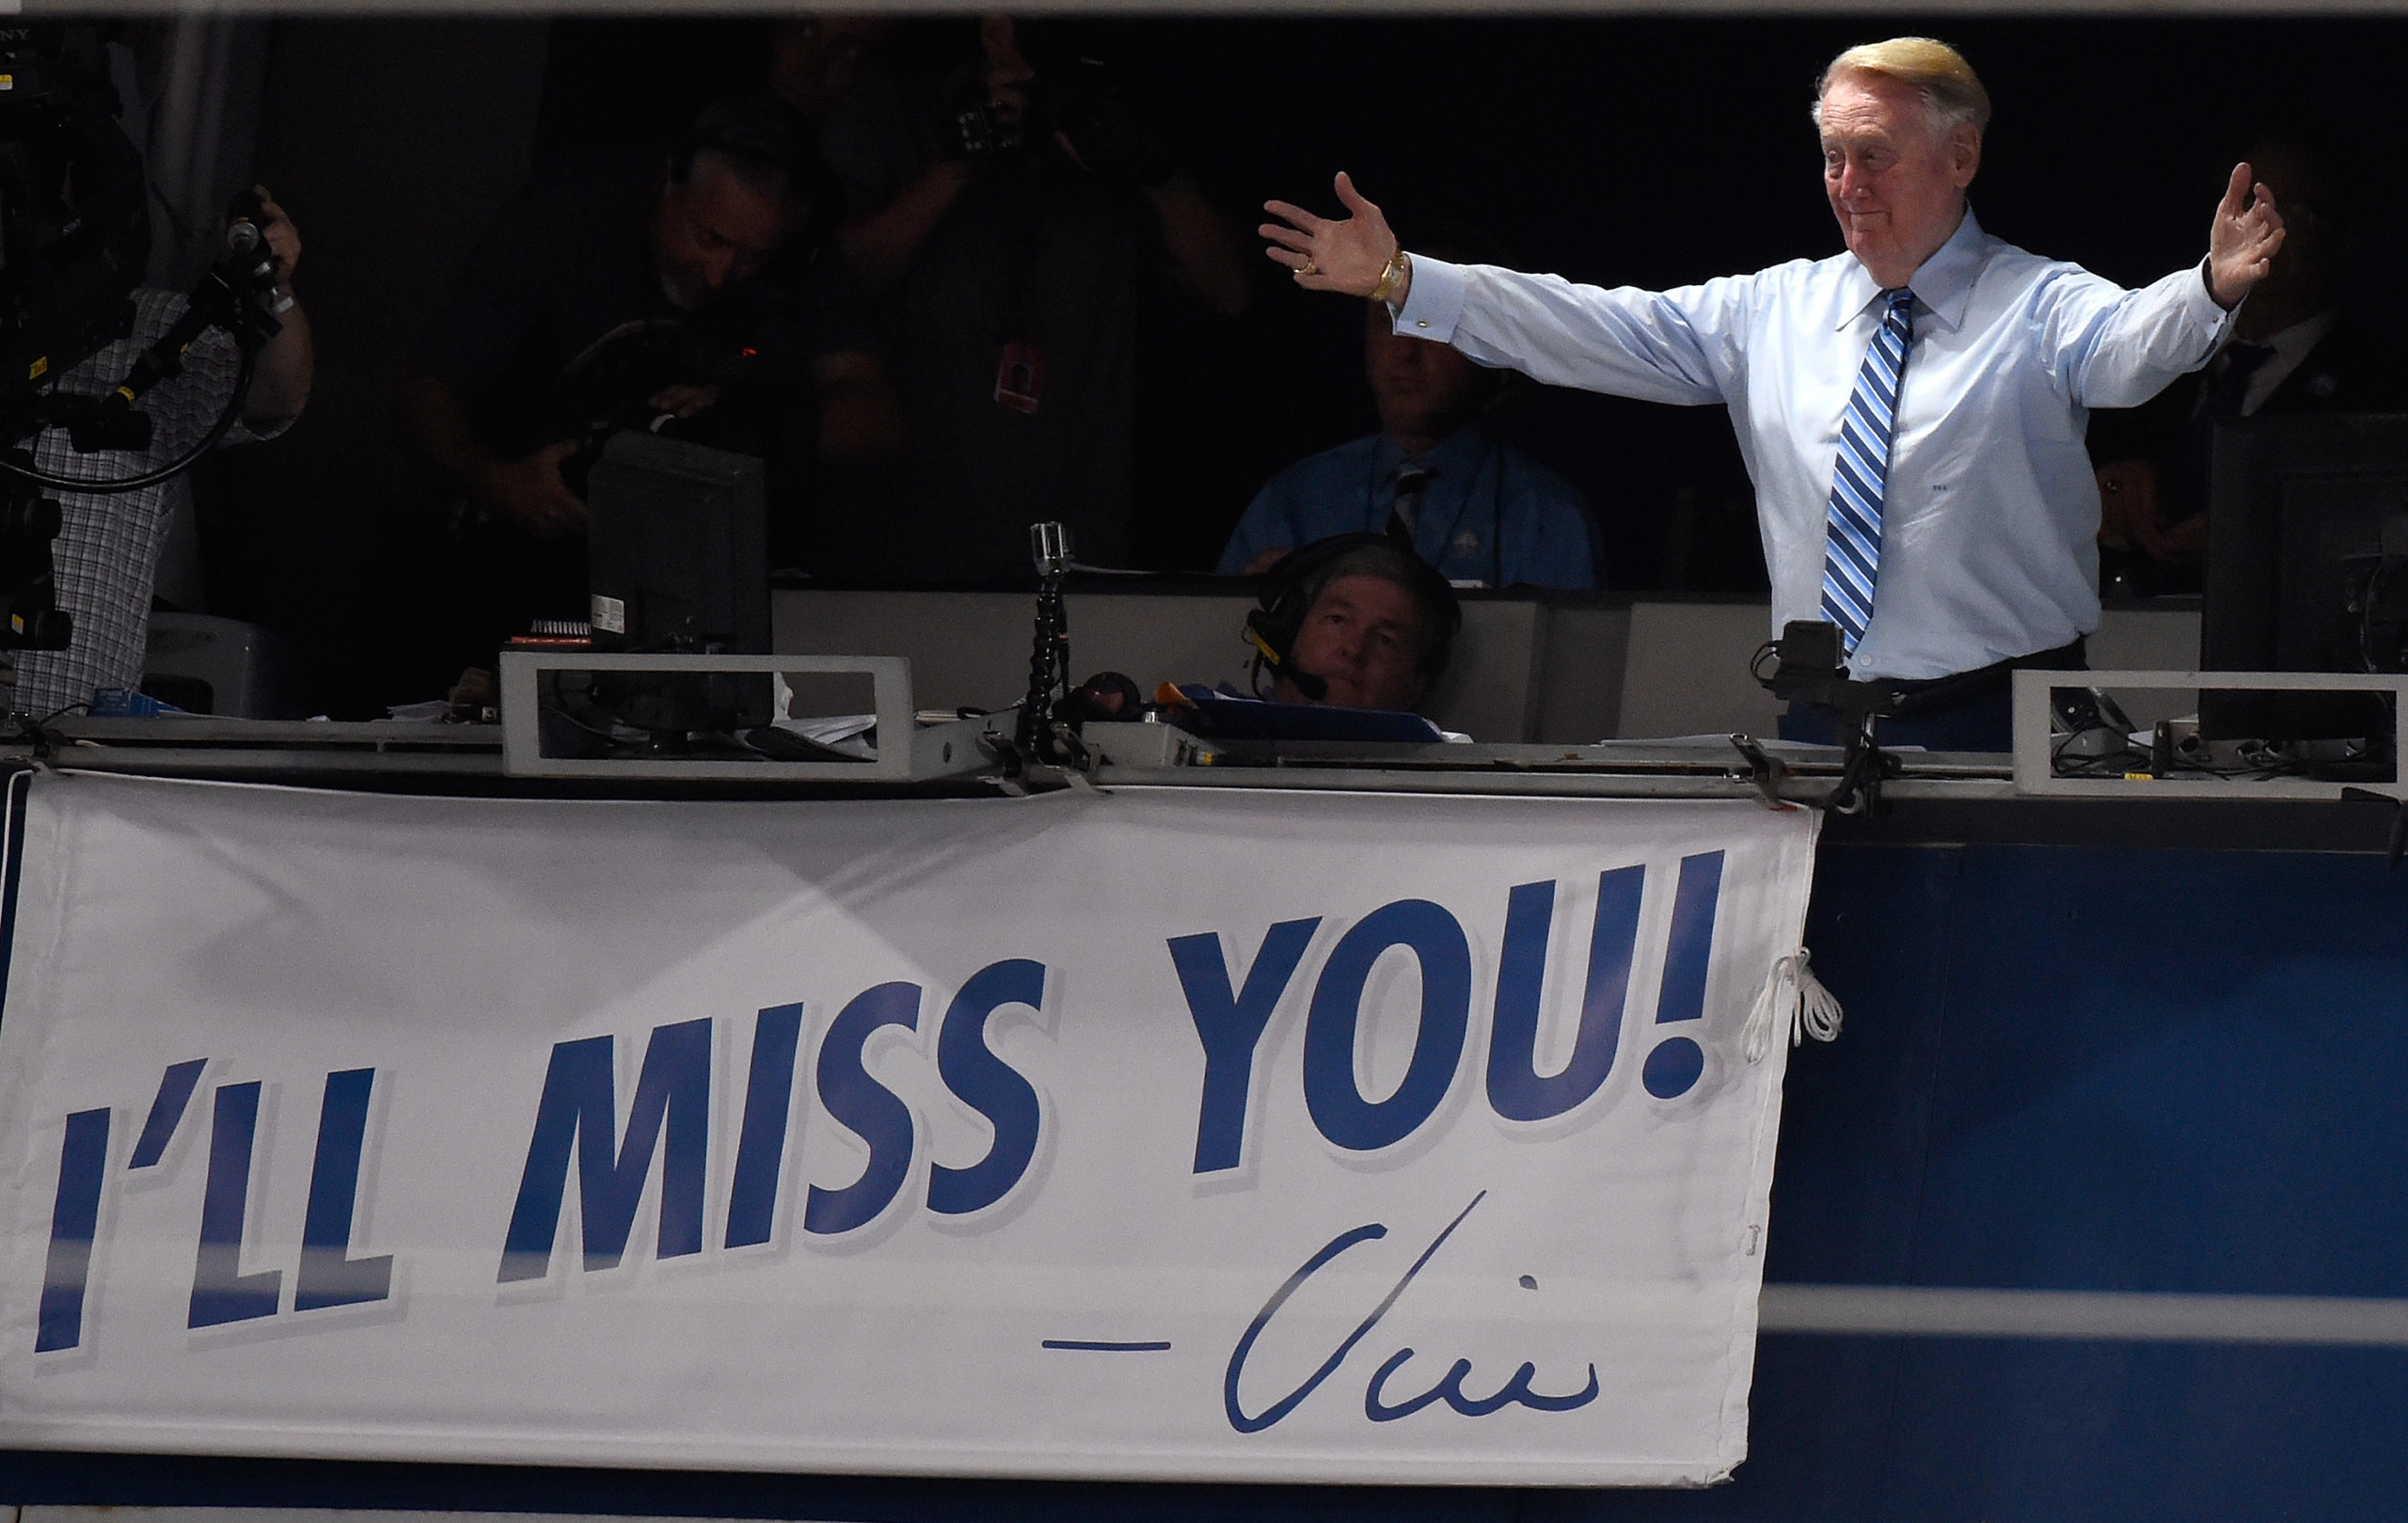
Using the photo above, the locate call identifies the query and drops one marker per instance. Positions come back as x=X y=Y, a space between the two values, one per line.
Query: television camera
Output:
x=74 y=237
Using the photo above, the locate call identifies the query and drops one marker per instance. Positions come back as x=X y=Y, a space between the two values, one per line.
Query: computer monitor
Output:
x=2303 y=513
x=679 y=548
x=679 y=563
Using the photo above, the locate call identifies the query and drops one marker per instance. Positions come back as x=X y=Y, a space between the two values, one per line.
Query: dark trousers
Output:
x=1970 y=711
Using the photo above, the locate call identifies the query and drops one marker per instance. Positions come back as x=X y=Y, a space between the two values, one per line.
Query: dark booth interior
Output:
x=1644 y=150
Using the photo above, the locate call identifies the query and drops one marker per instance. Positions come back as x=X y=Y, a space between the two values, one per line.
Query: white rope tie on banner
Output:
x=1791 y=990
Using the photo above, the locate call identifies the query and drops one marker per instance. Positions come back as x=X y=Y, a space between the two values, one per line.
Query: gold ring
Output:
x=1309 y=268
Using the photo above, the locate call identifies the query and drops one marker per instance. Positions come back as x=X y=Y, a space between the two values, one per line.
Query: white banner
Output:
x=1182 y=1134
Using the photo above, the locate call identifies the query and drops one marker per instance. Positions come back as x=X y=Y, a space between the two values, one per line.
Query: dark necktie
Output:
x=1852 y=522
x=1404 y=517
x=2229 y=388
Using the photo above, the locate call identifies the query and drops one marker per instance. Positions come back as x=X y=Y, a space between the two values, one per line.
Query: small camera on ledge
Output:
x=1810 y=668
x=1809 y=661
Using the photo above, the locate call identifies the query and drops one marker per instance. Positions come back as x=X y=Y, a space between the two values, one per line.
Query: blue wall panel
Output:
x=2069 y=1069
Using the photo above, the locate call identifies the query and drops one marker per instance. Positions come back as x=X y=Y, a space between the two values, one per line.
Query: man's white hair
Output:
x=1951 y=92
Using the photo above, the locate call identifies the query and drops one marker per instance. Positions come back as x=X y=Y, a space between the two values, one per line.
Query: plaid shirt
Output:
x=107 y=552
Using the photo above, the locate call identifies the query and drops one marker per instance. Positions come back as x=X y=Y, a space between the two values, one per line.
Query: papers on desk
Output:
x=853 y=735
x=1232 y=716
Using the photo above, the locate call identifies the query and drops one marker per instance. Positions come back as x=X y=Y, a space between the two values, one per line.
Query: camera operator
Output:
x=613 y=294
x=106 y=555
x=1007 y=218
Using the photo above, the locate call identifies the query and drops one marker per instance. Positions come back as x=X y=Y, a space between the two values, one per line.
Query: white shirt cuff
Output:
x=1436 y=302
x=2202 y=307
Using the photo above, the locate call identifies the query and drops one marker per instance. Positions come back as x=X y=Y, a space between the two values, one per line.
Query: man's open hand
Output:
x=2242 y=240
x=1344 y=254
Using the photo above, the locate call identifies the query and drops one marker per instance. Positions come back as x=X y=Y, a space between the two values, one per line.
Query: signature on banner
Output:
x=1516 y=1390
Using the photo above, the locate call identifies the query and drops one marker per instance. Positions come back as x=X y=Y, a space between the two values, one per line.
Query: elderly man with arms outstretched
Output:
x=1911 y=412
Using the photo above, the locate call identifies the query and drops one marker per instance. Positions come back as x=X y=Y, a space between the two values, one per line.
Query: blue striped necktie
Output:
x=1852 y=537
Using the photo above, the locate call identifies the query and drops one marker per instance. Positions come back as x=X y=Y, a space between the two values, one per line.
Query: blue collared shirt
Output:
x=1488 y=513
x=1990 y=516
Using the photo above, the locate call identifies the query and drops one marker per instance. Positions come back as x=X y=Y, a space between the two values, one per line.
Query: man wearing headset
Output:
x=1354 y=622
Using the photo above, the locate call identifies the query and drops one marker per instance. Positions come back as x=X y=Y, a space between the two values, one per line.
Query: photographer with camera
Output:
x=1007 y=218
x=626 y=292
x=106 y=556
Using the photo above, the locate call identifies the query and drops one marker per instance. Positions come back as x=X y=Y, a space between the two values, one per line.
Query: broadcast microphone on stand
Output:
x=246 y=236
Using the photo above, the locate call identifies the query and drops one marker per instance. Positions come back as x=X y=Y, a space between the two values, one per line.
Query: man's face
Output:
x=1897 y=188
x=1361 y=638
x=816 y=60
x=714 y=232
x=1423 y=389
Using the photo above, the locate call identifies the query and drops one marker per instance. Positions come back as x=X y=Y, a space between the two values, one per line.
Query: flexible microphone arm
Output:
x=1314 y=688
x=1049 y=661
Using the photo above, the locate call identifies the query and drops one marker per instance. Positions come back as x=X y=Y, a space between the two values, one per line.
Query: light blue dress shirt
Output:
x=1490 y=513
x=1990 y=515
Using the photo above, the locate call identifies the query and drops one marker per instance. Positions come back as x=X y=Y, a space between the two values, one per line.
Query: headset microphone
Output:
x=1314 y=688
